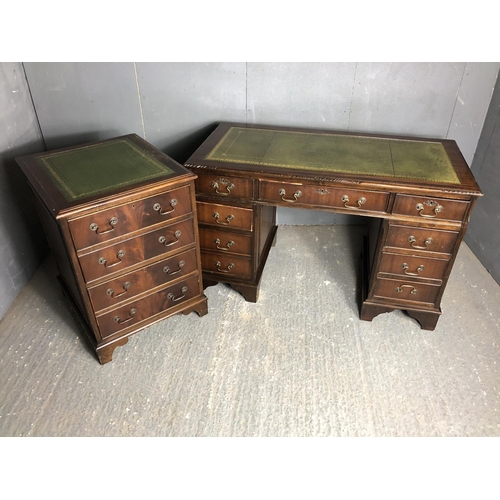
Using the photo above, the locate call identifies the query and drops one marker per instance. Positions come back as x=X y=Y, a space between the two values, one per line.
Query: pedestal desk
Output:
x=121 y=221
x=417 y=192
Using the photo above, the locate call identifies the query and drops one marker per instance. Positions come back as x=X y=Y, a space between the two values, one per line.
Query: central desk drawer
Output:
x=328 y=197
x=225 y=215
x=225 y=241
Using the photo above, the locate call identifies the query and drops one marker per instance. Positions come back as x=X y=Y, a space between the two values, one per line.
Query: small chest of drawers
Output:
x=121 y=221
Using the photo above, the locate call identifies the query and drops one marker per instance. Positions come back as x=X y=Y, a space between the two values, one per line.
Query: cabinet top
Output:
x=69 y=177
x=331 y=155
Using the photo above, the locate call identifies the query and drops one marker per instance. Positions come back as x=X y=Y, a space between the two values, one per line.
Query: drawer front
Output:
x=226 y=265
x=111 y=223
x=225 y=187
x=225 y=215
x=407 y=265
x=118 y=257
x=400 y=290
x=430 y=208
x=113 y=292
x=225 y=241
x=318 y=196
x=134 y=312
x=422 y=239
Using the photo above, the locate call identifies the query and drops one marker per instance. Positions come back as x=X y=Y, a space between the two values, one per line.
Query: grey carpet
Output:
x=299 y=362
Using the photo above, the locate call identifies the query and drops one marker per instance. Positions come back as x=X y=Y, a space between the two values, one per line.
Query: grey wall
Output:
x=483 y=236
x=175 y=106
x=22 y=244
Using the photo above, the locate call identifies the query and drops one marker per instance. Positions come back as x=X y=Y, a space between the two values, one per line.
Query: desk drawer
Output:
x=430 y=208
x=113 y=292
x=113 y=222
x=118 y=257
x=406 y=291
x=421 y=239
x=225 y=215
x=408 y=265
x=225 y=241
x=223 y=186
x=318 y=196
x=226 y=265
x=134 y=312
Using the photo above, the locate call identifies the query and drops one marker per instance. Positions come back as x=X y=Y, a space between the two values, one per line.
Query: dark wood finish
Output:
x=226 y=265
x=423 y=221
x=226 y=241
x=129 y=256
x=219 y=215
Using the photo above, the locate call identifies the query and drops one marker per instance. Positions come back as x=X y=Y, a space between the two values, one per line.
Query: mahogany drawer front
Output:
x=430 y=208
x=113 y=222
x=225 y=215
x=408 y=265
x=119 y=256
x=406 y=290
x=147 y=307
x=223 y=186
x=228 y=242
x=318 y=196
x=126 y=286
x=422 y=239
x=226 y=265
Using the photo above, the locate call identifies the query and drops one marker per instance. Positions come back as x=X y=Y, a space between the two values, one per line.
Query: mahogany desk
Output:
x=417 y=192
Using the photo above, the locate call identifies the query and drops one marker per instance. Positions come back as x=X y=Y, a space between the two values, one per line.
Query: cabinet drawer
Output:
x=113 y=292
x=407 y=265
x=421 y=239
x=318 y=196
x=430 y=208
x=225 y=187
x=113 y=222
x=118 y=257
x=225 y=215
x=401 y=290
x=147 y=307
x=211 y=239
x=226 y=265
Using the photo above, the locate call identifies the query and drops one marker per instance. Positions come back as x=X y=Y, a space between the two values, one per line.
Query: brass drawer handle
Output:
x=158 y=208
x=112 y=222
x=119 y=255
x=227 y=184
x=406 y=267
x=430 y=203
x=413 y=290
x=173 y=298
x=228 y=270
x=296 y=195
x=427 y=242
x=131 y=314
x=180 y=265
x=228 y=246
x=163 y=239
x=125 y=287
x=229 y=218
x=345 y=200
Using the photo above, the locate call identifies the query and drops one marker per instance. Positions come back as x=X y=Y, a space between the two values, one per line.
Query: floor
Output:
x=299 y=362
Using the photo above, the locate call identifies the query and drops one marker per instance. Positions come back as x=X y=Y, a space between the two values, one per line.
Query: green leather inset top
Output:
x=422 y=160
x=95 y=169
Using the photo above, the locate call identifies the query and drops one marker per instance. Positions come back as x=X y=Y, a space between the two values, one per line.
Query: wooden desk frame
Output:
x=415 y=231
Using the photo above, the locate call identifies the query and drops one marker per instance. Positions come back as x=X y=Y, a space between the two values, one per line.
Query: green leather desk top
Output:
x=94 y=169
x=398 y=158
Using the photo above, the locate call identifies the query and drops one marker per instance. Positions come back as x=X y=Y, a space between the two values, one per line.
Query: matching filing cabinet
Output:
x=120 y=218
